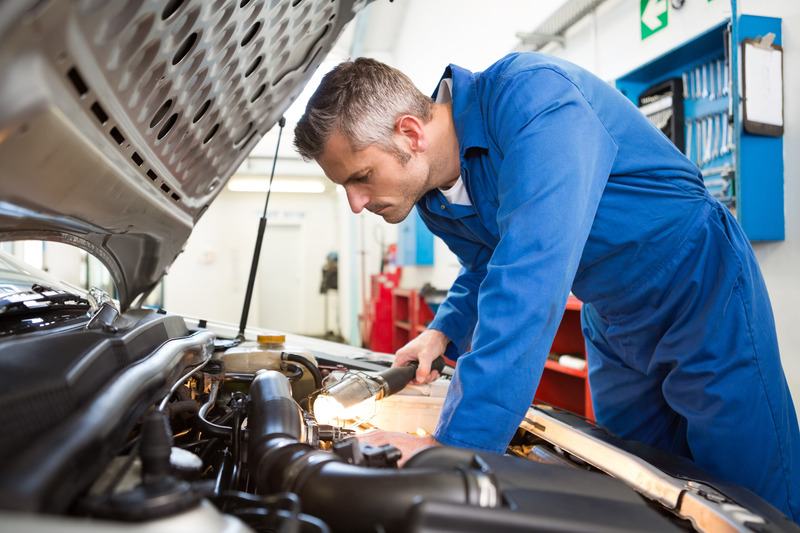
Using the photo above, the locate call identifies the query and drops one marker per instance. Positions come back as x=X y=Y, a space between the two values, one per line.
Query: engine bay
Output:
x=160 y=422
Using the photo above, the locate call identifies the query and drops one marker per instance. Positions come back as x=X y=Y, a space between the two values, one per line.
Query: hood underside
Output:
x=121 y=121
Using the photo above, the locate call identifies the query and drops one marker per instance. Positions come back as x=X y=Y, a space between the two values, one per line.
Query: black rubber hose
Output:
x=308 y=365
x=236 y=448
x=280 y=462
x=385 y=496
x=224 y=472
x=208 y=427
x=273 y=412
x=182 y=406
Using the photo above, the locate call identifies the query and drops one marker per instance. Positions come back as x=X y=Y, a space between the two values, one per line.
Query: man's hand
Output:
x=407 y=444
x=424 y=348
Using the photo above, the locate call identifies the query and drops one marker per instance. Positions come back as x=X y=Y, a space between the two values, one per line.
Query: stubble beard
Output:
x=414 y=191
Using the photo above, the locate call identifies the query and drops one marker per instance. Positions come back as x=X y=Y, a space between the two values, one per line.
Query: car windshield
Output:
x=30 y=299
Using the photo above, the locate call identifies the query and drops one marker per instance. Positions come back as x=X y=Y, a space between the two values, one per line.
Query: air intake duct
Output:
x=326 y=484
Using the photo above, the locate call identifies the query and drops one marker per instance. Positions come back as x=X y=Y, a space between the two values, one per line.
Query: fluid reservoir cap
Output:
x=271 y=339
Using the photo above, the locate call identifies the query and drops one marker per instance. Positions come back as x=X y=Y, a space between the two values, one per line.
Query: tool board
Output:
x=690 y=93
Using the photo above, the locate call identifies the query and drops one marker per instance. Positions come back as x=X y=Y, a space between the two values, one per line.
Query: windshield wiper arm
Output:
x=41 y=298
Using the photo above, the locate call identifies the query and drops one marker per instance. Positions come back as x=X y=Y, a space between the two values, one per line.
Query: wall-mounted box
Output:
x=414 y=242
x=743 y=170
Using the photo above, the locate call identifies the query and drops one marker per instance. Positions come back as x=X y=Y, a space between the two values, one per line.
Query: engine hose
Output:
x=209 y=427
x=297 y=372
x=182 y=406
x=308 y=365
x=224 y=468
x=280 y=462
x=236 y=440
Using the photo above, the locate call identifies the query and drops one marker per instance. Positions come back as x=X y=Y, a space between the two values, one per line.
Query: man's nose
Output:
x=356 y=199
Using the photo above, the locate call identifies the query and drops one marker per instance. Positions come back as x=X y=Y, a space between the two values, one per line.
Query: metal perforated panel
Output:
x=121 y=120
x=191 y=86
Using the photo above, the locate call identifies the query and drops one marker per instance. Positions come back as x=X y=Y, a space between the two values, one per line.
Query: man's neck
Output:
x=447 y=159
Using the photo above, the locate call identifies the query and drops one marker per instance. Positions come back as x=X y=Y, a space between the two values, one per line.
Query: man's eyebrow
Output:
x=355 y=175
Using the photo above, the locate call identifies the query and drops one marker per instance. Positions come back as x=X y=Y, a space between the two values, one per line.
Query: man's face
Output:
x=374 y=179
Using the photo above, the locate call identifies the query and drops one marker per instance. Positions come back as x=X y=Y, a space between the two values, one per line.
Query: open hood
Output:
x=121 y=121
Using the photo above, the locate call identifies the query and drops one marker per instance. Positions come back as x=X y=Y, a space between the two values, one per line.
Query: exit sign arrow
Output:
x=653 y=16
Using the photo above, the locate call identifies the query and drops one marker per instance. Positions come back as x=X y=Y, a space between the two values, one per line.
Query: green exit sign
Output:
x=653 y=16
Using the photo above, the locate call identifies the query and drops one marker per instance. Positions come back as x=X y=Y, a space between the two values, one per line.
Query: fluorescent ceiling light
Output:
x=278 y=185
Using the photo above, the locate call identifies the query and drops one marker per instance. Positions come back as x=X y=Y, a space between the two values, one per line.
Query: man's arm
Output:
x=556 y=159
x=450 y=332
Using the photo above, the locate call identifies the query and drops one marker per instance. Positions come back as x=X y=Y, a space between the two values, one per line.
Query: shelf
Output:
x=564 y=386
x=573 y=304
x=377 y=318
x=561 y=385
x=410 y=315
x=558 y=367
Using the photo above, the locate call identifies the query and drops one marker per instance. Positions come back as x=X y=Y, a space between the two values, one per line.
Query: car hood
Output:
x=120 y=122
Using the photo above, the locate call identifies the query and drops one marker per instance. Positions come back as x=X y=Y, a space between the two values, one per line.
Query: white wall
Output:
x=209 y=279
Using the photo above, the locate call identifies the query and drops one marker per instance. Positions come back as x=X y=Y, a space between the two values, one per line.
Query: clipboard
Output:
x=762 y=86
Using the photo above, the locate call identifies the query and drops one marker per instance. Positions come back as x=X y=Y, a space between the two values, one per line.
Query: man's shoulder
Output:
x=508 y=66
x=524 y=61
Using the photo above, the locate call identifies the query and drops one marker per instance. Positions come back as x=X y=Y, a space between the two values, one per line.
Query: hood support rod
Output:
x=262 y=226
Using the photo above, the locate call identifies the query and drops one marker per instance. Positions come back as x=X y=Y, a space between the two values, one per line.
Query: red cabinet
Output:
x=564 y=382
x=410 y=316
x=567 y=385
x=376 y=322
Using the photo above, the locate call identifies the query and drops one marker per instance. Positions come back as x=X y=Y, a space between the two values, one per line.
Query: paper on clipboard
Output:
x=763 y=87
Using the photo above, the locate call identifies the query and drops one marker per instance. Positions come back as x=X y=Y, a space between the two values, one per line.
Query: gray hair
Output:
x=362 y=99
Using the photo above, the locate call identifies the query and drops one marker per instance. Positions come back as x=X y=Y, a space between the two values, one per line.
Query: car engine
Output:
x=138 y=420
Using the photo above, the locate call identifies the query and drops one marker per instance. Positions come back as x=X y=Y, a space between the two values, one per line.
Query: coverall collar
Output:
x=468 y=122
x=436 y=202
x=467 y=115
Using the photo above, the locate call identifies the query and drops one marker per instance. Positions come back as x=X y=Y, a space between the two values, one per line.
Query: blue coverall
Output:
x=572 y=188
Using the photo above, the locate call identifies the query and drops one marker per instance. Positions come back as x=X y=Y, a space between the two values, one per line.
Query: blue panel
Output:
x=424 y=243
x=406 y=240
x=756 y=193
x=761 y=161
x=414 y=242
x=761 y=208
x=692 y=53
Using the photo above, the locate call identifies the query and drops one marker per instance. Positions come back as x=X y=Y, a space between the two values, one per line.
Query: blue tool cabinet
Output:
x=414 y=242
x=689 y=93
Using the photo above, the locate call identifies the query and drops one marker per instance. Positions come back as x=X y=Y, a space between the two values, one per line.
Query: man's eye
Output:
x=363 y=178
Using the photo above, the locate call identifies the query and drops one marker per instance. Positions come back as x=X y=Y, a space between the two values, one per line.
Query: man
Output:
x=543 y=180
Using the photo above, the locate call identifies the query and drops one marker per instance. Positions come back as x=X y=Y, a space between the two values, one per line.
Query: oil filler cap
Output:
x=271 y=339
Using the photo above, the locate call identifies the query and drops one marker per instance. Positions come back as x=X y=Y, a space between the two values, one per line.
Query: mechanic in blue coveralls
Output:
x=543 y=179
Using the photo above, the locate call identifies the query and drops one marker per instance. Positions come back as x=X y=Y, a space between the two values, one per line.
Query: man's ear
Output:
x=412 y=132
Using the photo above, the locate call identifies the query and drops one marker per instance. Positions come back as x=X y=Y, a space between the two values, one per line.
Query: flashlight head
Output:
x=350 y=400
x=354 y=397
